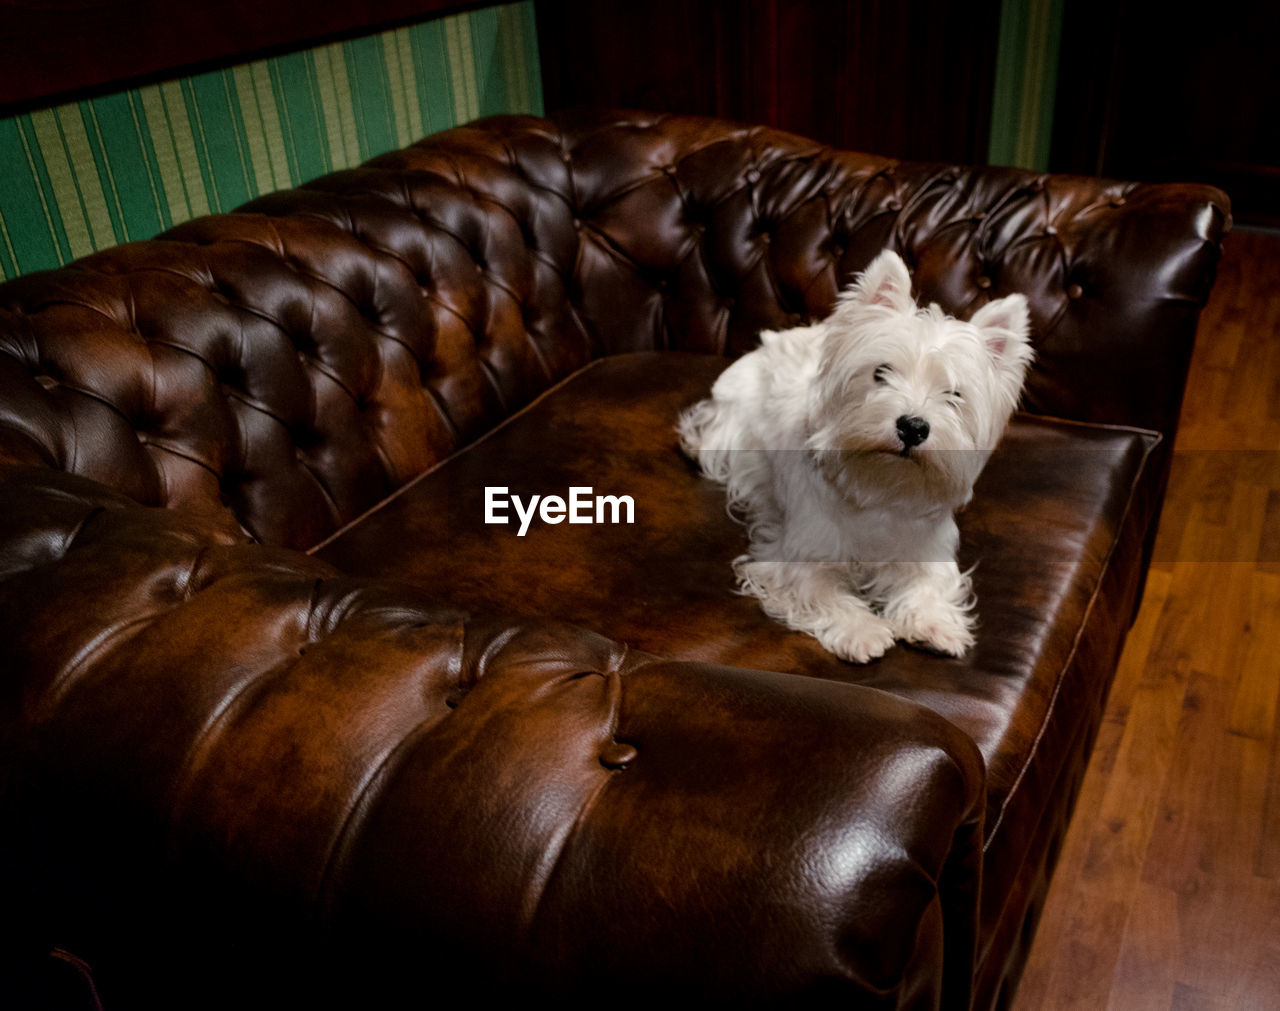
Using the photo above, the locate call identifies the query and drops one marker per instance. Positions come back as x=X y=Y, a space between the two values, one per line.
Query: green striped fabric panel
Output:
x=85 y=175
x=1025 y=84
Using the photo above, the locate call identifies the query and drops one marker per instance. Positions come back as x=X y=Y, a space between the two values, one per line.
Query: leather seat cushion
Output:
x=1056 y=530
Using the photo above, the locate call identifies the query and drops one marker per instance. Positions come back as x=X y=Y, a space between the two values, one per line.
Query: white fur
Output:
x=852 y=531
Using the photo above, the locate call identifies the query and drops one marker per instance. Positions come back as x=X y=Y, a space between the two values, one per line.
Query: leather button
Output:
x=1074 y=291
x=1050 y=230
x=617 y=755
x=983 y=282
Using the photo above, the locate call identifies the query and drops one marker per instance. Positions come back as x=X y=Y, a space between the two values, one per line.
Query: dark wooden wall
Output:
x=906 y=78
x=1161 y=92
x=1146 y=90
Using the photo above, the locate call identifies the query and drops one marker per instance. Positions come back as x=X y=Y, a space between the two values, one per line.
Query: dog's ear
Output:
x=1006 y=326
x=885 y=282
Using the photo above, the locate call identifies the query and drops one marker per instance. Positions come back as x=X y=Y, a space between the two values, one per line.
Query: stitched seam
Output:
x=492 y=432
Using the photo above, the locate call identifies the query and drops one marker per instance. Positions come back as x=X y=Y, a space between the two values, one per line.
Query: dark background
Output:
x=1145 y=90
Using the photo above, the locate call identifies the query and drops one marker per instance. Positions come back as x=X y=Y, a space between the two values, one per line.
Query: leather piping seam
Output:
x=492 y=432
x=1075 y=644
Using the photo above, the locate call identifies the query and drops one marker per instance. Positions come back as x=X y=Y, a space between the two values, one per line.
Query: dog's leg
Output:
x=816 y=598
x=929 y=604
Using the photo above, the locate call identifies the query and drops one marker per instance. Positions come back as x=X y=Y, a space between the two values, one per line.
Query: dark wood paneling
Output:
x=54 y=49
x=1150 y=91
x=907 y=78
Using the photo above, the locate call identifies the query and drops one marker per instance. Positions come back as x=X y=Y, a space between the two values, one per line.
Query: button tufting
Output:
x=1050 y=230
x=617 y=755
x=983 y=282
x=1074 y=291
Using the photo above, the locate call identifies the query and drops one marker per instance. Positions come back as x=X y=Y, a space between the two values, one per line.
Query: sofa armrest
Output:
x=1115 y=274
x=225 y=759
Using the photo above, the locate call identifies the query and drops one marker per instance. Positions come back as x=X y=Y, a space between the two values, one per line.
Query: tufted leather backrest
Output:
x=293 y=363
x=697 y=234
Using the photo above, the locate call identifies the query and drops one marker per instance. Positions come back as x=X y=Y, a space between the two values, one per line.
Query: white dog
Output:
x=848 y=445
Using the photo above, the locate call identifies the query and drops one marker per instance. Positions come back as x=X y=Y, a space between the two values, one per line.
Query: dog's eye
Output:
x=881 y=373
x=954 y=397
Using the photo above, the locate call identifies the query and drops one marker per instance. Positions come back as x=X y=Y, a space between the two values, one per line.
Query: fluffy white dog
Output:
x=848 y=445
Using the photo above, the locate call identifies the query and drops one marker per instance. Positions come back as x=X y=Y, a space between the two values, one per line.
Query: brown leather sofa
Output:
x=285 y=720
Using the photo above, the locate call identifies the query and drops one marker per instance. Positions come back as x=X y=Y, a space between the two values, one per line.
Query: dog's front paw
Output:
x=941 y=629
x=861 y=637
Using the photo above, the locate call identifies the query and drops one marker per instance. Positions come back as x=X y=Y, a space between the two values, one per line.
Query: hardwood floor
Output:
x=1167 y=894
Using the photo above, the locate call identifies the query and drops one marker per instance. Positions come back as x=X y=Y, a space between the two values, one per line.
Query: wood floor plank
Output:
x=1150 y=953
x=1253 y=706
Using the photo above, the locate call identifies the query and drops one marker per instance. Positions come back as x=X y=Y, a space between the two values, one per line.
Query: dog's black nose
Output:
x=912 y=430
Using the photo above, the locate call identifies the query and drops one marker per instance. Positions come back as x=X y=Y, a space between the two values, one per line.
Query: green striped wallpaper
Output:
x=85 y=175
